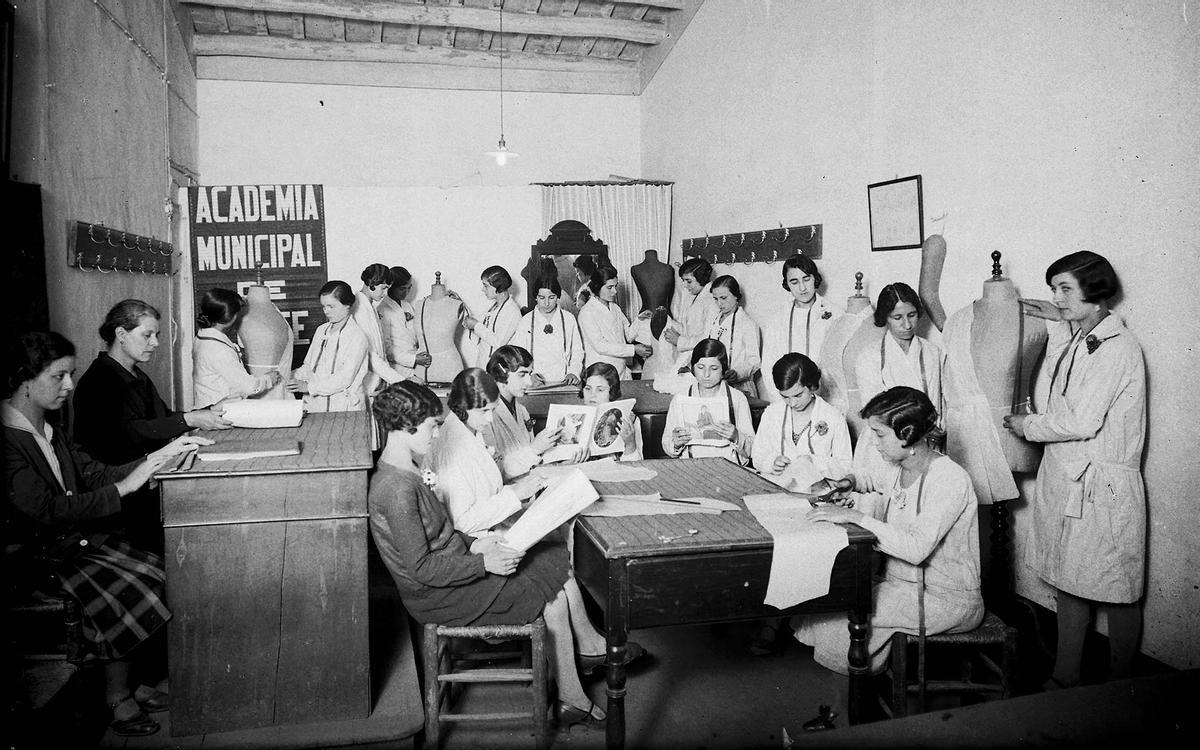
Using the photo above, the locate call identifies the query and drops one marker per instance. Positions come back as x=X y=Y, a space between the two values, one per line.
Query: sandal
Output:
x=589 y=663
x=138 y=725
x=569 y=715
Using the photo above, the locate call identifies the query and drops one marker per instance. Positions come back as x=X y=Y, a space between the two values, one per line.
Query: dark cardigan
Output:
x=119 y=415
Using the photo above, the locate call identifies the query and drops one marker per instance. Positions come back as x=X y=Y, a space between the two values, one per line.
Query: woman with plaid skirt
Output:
x=62 y=519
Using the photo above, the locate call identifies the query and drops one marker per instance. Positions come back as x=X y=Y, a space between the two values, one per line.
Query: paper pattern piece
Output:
x=804 y=550
x=231 y=450
x=654 y=504
x=264 y=413
x=604 y=470
x=558 y=503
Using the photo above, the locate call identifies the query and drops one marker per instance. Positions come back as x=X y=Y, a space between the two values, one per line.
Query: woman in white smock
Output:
x=809 y=318
x=607 y=333
x=802 y=438
x=921 y=507
x=501 y=319
x=1090 y=503
x=695 y=310
x=551 y=335
x=218 y=371
x=739 y=333
x=510 y=434
x=731 y=426
x=331 y=378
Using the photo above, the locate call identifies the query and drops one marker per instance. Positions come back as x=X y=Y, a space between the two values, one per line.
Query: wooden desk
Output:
x=650 y=406
x=267 y=580
x=718 y=574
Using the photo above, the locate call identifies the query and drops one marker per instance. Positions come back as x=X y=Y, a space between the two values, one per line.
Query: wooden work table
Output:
x=650 y=571
x=266 y=565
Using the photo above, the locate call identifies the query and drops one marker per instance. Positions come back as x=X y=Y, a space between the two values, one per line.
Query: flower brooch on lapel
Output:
x=548 y=329
x=1094 y=343
x=822 y=428
x=826 y=315
x=408 y=317
x=430 y=478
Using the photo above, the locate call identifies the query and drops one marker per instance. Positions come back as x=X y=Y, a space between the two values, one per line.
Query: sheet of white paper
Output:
x=654 y=505
x=604 y=470
x=804 y=550
x=264 y=413
x=558 y=503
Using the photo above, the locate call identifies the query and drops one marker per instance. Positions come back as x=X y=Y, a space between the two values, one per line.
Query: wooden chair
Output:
x=992 y=633
x=442 y=672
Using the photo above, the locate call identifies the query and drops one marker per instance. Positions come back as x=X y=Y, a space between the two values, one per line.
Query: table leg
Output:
x=616 y=637
x=859 y=657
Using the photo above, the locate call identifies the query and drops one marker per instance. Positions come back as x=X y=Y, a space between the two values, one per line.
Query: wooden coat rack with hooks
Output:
x=759 y=246
x=95 y=247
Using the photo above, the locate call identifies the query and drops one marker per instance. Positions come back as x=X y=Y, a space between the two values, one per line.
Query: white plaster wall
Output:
x=1039 y=129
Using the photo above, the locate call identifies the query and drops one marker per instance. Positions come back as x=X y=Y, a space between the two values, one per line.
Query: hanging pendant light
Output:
x=501 y=154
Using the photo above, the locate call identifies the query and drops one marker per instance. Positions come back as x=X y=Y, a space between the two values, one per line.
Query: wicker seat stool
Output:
x=442 y=672
x=992 y=633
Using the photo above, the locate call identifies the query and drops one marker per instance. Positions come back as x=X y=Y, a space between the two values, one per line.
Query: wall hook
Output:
x=762 y=237
x=751 y=258
x=786 y=232
x=812 y=231
x=124 y=242
x=774 y=257
x=109 y=238
x=91 y=236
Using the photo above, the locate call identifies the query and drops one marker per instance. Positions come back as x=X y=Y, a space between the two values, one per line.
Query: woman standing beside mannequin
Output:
x=734 y=328
x=606 y=331
x=500 y=321
x=335 y=367
x=1090 y=508
x=218 y=372
x=809 y=318
x=902 y=357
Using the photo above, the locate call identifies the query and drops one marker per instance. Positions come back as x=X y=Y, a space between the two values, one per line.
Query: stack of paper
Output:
x=235 y=450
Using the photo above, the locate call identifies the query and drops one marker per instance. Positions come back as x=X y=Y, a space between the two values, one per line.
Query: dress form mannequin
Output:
x=655 y=281
x=437 y=324
x=266 y=338
x=849 y=335
x=933 y=256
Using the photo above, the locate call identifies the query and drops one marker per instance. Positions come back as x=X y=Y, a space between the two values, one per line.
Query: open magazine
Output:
x=561 y=501
x=597 y=427
x=701 y=414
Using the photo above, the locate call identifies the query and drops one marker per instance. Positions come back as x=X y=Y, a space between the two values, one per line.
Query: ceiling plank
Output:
x=643 y=32
x=231 y=45
x=418 y=75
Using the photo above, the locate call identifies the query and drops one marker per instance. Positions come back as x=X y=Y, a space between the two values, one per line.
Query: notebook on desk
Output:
x=231 y=450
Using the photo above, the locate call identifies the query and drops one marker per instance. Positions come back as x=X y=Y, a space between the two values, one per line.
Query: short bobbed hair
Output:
x=793 y=368
x=730 y=283
x=405 y=405
x=506 y=360
x=711 y=348
x=600 y=277
x=219 y=307
x=127 y=314
x=31 y=353
x=892 y=295
x=909 y=413
x=400 y=276
x=547 y=282
x=376 y=274
x=472 y=389
x=340 y=290
x=606 y=371
x=699 y=268
x=497 y=278
x=1097 y=279
x=804 y=264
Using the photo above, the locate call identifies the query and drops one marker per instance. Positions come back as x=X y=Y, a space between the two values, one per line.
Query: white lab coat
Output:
x=335 y=368
x=218 y=372
x=380 y=371
x=740 y=335
x=802 y=330
x=557 y=353
x=1090 y=503
x=494 y=330
x=827 y=447
x=696 y=314
x=738 y=452
x=398 y=327
x=510 y=439
x=469 y=483
x=606 y=335
x=942 y=540
x=920 y=367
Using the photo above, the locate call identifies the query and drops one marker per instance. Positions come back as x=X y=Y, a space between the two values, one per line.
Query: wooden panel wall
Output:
x=91 y=126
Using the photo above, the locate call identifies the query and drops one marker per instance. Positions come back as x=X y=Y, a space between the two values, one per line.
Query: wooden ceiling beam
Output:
x=282 y=48
x=643 y=32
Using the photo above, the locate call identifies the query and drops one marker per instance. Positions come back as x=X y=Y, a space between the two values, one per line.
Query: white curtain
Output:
x=630 y=219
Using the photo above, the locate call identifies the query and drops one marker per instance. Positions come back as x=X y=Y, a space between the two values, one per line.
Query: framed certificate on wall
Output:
x=897 y=214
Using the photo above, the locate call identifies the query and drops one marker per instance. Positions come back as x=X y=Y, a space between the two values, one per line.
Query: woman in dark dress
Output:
x=119 y=416
x=448 y=577
x=62 y=507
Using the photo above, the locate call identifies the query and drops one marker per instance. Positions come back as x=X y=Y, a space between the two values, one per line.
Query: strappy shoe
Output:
x=138 y=725
x=569 y=715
